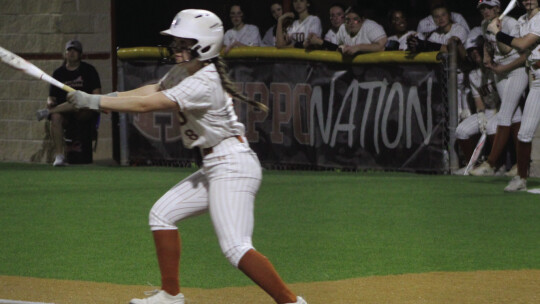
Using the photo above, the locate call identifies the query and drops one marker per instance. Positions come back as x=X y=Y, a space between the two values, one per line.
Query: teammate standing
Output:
x=509 y=69
x=240 y=34
x=528 y=41
x=301 y=28
x=230 y=176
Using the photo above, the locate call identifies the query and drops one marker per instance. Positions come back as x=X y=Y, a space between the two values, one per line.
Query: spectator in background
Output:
x=356 y=35
x=241 y=34
x=269 y=38
x=398 y=26
x=359 y=34
x=438 y=40
x=337 y=18
x=305 y=24
x=81 y=76
x=428 y=24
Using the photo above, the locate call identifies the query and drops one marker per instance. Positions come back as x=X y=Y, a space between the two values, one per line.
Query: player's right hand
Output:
x=82 y=100
x=482 y=122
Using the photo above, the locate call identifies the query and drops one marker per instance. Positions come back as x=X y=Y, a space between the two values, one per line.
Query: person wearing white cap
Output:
x=79 y=75
x=511 y=76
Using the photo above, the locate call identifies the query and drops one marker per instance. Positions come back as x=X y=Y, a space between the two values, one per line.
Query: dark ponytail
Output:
x=229 y=86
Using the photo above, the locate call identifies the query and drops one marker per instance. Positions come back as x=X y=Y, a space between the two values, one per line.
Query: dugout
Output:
x=380 y=111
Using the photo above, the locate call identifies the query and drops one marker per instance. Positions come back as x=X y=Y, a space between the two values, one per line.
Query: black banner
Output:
x=369 y=116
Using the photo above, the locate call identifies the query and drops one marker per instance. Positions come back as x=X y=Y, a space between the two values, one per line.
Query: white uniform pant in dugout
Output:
x=531 y=111
x=226 y=187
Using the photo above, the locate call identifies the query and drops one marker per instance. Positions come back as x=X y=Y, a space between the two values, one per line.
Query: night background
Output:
x=138 y=22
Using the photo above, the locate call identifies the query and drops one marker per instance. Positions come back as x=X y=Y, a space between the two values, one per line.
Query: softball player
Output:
x=486 y=99
x=359 y=34
x=241 y=34
x=529 y=41
x=230 y=176
x=508 y=66
x=300 y=29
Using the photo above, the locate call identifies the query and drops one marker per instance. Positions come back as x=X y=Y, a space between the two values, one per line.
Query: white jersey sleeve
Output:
x=456 y=31
x=269 y=39
x=247 y=35
x=402 y=40
x=370 y=32
x=531 y=26
x=331 y=36
x=427 y=25
x=509 y=26
x=299 y=31
x=206 y=112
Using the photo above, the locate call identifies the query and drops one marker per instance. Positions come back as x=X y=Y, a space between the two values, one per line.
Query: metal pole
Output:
x=452 y=104
x=123 y=122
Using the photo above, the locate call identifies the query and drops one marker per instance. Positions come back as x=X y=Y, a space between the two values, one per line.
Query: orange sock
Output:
x=523 y=158
x=499 y=143
x=259 y=269
x=168 y=253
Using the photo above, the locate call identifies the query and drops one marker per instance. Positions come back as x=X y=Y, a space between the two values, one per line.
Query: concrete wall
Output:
x=41 y=28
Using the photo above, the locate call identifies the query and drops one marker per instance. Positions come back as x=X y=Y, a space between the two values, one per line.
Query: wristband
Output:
x=504 y=38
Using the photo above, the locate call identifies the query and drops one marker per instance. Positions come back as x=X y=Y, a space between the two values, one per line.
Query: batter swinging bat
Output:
x=508 y=8
x=476 y=153
x=22 y=65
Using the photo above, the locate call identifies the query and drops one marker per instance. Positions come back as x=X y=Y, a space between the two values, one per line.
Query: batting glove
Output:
x=482 y=122
x=82 y=100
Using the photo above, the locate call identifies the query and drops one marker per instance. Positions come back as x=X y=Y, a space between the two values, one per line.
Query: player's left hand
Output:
x=82 y=100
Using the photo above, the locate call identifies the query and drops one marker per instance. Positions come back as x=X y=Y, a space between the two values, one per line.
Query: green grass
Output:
x=90 y=223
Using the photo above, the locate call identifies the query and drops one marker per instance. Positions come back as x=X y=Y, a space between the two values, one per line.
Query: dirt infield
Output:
x=459 y=287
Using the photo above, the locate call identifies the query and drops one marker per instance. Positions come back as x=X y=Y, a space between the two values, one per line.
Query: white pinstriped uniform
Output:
x=331 y=36
x=512 y=84
x=531 y=112
x=370 y=32
x=442 y=38
x=228 y=181
x=403 y=39
x=248 y=35
x=427 y=25
x=299 y=31
x=482 y=85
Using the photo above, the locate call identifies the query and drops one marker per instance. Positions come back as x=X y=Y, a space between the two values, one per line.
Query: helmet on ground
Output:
x=201 y=25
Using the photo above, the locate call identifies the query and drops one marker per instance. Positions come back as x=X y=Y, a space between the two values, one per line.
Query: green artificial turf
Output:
x=90 y=223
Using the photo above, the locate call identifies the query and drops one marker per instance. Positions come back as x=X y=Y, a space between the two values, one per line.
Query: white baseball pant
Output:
x=225 y=186
x=531 y=111
x=510 y=87
x=469 y=126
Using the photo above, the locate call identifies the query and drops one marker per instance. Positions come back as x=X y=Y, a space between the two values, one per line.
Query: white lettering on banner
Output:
x=384 y=103
x=384 y=106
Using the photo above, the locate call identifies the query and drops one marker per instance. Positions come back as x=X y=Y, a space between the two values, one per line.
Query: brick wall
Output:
x=41 y=28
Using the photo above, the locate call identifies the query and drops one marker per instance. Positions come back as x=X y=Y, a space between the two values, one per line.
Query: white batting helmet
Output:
x=201 y=25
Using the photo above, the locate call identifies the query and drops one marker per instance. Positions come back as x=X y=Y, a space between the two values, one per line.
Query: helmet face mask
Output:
x=201 y=25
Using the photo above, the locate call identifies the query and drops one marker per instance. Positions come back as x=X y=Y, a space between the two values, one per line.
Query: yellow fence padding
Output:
x=300 y=54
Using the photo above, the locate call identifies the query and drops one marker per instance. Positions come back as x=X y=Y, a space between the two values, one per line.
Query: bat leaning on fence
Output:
x=476 y=153
x=26 y=67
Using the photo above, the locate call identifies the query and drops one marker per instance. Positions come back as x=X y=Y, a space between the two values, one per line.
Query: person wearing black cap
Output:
x=80 y=76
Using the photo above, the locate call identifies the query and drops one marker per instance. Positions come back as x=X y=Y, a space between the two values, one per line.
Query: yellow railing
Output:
x=301 y=54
